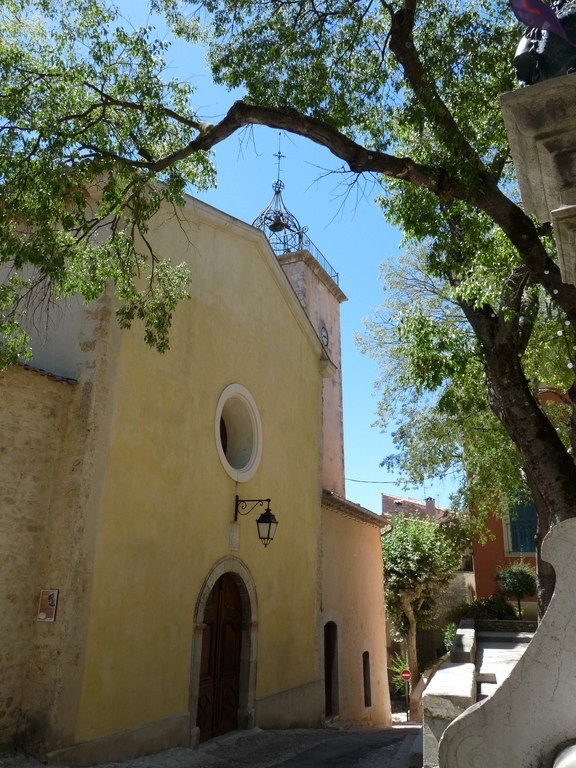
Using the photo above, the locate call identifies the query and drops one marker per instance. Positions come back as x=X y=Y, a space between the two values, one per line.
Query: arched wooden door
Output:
x=220 y=663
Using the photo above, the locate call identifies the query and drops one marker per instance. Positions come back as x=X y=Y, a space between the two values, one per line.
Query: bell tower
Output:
x=315 y=283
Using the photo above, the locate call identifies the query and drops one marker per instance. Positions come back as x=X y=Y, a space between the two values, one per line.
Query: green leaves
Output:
x=323 y=59
x=420 y=557
x=432 y=384
x=156 y=304
x=517 y=580
x=89 y=125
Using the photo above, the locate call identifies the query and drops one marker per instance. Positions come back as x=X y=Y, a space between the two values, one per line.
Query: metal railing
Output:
x=290 y=242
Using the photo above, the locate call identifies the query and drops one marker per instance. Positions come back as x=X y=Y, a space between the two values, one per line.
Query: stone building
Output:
x=140 y=608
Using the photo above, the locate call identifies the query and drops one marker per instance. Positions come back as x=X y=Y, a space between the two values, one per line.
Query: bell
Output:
x=277 y=224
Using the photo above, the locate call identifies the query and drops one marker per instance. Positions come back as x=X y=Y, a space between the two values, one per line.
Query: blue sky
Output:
x=346 y=226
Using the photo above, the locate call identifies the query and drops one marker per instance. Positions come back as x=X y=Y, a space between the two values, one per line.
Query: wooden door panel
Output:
x=218 y=695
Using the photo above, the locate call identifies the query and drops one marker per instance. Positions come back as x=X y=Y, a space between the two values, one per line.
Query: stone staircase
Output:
x=497 y=653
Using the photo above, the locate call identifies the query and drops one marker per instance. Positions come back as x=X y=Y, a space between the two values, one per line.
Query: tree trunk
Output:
x=549 y=468
x=544 y=571
x=412 y=654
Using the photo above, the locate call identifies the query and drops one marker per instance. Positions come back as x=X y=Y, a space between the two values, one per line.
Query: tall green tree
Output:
x=92 y=140
x=433 y=395
x=442 y=424
x=405 y=91
x=420 y=556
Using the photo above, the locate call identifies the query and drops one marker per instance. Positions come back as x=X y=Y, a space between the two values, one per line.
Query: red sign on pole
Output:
x=405 y=674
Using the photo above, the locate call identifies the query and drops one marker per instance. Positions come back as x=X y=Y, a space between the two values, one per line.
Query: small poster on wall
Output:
x=47 y=604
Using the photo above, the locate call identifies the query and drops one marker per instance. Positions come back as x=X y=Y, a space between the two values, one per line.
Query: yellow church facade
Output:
x=143 y=610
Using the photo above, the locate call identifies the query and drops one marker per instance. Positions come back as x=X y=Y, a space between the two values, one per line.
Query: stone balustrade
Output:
x=528 y=722
x=449 y=693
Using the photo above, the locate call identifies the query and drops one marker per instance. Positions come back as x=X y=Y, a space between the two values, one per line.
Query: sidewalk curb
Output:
x=416 y=758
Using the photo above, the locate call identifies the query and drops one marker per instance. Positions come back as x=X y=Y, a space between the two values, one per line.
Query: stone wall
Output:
x=33 y=412
x=503 y=625
x=53 y=455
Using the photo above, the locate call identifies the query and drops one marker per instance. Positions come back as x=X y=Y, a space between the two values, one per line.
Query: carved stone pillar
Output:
x=541 y=125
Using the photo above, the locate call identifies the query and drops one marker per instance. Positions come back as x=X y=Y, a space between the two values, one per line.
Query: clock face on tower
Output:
x=324 y=336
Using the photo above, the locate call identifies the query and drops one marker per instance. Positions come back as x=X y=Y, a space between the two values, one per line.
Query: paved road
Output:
x=295 y=748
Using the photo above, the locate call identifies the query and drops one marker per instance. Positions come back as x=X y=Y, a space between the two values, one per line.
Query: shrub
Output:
x=396 y=664
x=449 y=635
x=493 y=607
x=517 y=580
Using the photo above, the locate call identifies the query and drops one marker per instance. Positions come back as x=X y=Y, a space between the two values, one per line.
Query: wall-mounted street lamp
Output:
x=266 y=523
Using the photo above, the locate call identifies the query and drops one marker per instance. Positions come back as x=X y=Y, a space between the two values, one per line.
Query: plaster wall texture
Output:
x=502 y=729
x=298 y=707
x=491 y=556
x=129 y=512
x=321 y=299
x=353 y=598
x=167 y=502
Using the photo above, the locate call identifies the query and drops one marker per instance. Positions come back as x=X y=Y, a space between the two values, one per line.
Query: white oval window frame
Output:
x=244 y=429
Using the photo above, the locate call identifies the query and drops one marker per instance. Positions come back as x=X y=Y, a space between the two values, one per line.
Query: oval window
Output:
x=238 y=432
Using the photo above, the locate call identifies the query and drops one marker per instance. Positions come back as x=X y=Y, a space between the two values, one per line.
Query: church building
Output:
x=178 y=556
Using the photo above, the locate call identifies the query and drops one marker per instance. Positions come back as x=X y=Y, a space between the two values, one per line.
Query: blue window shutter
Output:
x=523 y=527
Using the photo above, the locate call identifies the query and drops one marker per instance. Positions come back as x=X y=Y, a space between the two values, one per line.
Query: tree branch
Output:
x=358 y=158
x=402 y=46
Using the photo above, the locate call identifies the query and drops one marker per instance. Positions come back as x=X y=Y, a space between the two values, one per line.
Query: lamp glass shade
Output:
x=267 y=525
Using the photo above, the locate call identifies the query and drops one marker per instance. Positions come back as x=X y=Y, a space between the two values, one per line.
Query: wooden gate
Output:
x=220 y=663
